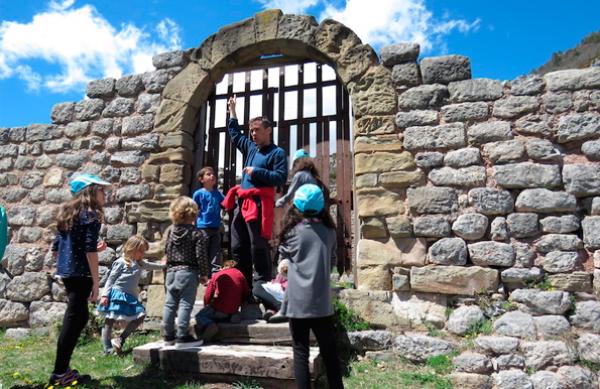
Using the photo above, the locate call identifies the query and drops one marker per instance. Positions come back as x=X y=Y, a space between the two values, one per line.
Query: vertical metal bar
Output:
x=212 y=135
x=322 y=155
x=282 y=127
x=199 y=145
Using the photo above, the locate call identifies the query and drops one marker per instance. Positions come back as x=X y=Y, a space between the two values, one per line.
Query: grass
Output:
x=27 y=363
x=346 y=319
x=484 y=327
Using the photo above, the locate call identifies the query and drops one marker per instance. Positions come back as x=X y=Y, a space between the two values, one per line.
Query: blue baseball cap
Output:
x=300 y=153
x=309 y=199
x=83 y=180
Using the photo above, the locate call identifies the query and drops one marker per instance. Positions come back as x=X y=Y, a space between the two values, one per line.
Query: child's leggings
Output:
x=107 y=331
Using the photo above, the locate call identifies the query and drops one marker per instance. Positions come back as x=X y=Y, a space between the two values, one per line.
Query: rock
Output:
x=119 y=233
x=591 y=232
x=489 y=132
x=463 y=319
x=516 y=324
x=147 y=103
x=420 y=311
x=578 y=126
x=539 y=302
x=90 y=109
x=370 y=340
x=560 y=261
x=146 y=142
x=491 y=254
x=418 y=348
x=416 y=118
x=462 y=157
x=399 y=226
x=470 y=381
x=28 y=287
x=169 y=59
x=510 y=361
x=578 y=281
x=399 y=53
x=464 y=177
x=445 y=136
x=588 y=346
x=46 y=314
x=527 y=85
x=536 y=125
x=596 y=259
x=577 y=377
x=545 y=201
x=423 y=97
x=406 y=75
x=470 y=226
x=591 y=149
x=391 y=252
x=130 y=86
x=379 y=202
x=135 y=125
x=557 y=102
x=527 y=175
x=477 y=89
x=428 y=160
x=17 y=333
x=515 y=106
x=465 y=112
x=119 y=107
x=581 y=180
x=499 y=229
x=522 y=225
x=551 y=326
x=445 y=69
x=21 y=216
x=497 y=344
x=133 y=193
x=154 y=82
x=546 y=379
x=558 y=242
x=543 y=150
x=518 y=276
x=524 y=254
x=587 y=315
x=512 y=379
x=504 y=151
x=490 y=201
x=12 y=313
x=431 y=226
x=432 y=200
x=470 y=362
x=551 y=353
x=448 y=251
x=573 y=79
x=453 y=279
x=62 y=113
x=104 y=88
x=373 y=228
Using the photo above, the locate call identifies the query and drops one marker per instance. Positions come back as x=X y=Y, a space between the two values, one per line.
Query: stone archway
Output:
x=271 y=32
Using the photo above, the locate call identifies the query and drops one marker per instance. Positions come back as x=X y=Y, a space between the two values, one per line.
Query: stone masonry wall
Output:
x=473 y=195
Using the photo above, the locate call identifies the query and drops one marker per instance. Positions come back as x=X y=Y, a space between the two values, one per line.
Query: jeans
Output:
x=214 y=248
x=209 y=315
x=249 y=248
x=182 y=286
x=268 y=300
x=322 y=327
x=76 y=316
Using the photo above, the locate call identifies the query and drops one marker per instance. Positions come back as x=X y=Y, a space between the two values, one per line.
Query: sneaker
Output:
x=188 y=341
x=68 y=378
x=268 y=313
x=277 y=318
x=209 y=332
x=117 y=344
x=109 y=351
x=235 y=318
x=168 y=341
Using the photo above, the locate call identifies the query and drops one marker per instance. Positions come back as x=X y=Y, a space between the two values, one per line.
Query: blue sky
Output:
x=50 y=49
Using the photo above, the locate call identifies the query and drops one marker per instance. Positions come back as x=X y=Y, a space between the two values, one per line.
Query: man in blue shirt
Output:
x=264 y=169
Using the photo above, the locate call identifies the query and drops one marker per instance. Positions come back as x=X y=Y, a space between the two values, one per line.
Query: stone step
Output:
x=254 y=332
x=269 y=365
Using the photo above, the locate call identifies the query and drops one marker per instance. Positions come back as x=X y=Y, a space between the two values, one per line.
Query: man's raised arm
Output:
x=240 y=141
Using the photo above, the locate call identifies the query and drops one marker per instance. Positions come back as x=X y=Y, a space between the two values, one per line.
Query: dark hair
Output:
x=85 y=200
x=203 y=171
x=264 y=121
x=293 y=216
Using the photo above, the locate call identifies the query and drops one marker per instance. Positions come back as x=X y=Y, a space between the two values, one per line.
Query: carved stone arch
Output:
x=241 y=44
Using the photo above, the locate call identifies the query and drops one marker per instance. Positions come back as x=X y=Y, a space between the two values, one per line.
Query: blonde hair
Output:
x=136 y=242
x=282 y=264
x=228 y=264
x=183 y=210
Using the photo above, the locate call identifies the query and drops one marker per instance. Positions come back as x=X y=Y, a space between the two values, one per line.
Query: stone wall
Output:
x=464 y=187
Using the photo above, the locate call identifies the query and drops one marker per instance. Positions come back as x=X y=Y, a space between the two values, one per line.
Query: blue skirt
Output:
x=121 y=306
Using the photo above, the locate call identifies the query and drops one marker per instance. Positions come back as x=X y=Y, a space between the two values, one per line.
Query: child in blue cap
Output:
x=76 y=249
x=308 y=241
x=304 y=171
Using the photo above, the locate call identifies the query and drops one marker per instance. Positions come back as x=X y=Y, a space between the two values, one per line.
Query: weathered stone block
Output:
x=448 y=251
x=465 y=112
x=464 y=177
x=104 y=88
x=581 y=180
x=423 y=97
x=470 y=226
x=399 y=53
x=28 y=287
x=560 y=261
x=446 y=136
x=578 y=281
x=406 y=75
x=432 y=200
x=119 y=107
x=578 y=126
x=515 y=106
x=391 y=252
x=462 y=157
x=491 y=254
x=542 y=354
x=428 y=160
x=382 y=162
x=453 y=279
x=399 y=226
x=527 y=175
x=515 y=324
x=418 y=348
x=573 y=79
x=416 y=118
x=129 y=86
x=477 y=89
x=527 y=85
x=591 y=232
x=431 y=226
x=379 y=202
x=62 y=113
x=445 y=69
x=464 y=318
x=489 y=132
x=557 y=102
x=560 y=224
x=522 y=225
x=88 y=109
x=543 y=150
x=518 y=276
x=504 y=151
x=558 y=242
x=491 y=201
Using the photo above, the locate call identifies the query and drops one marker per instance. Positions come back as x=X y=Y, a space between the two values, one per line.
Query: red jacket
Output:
x=226 y=290
x=250 y=210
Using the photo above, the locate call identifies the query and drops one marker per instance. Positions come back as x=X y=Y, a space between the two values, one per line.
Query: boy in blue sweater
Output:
x=209 y=200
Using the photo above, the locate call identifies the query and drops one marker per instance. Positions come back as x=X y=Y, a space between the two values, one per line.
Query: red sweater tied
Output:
x=250 y=210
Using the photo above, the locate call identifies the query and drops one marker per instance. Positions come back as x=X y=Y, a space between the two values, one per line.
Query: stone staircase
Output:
x=249 y=350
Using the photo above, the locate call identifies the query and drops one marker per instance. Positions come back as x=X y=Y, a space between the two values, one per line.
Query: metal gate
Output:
x=309 y=108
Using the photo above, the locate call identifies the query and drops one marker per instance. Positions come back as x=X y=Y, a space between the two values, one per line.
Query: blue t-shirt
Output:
x=72 y=246
x=209 y=207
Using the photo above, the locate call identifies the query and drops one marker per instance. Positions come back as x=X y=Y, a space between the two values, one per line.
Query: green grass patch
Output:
x=441 y=364
x=485 y=327
x=346 y=319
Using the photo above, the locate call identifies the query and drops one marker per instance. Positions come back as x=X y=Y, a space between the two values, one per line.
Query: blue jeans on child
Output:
x=209 y=315
x=182 y=286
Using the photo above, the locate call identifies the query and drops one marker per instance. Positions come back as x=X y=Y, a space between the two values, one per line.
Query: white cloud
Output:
x=81 y=44
x=383 y=22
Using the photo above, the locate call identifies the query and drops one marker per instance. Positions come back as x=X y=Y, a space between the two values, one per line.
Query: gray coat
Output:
x=126 y=278
x=310 y=248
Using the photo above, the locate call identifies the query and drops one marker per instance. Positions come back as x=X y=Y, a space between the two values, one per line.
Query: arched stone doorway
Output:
x=298 y=37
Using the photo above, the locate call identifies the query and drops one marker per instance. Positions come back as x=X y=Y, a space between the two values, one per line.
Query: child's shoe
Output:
x=168 y=341
x=109 y=351
x=117 y=344
x=277 y=318
x=268 y=314
x=187 y=341
x=69 y=378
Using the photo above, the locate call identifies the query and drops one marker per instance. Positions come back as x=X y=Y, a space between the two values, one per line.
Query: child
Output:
x=226 y=291
x=119 y=299
x=304 y=171
x=76 y=247
x=185 y=250
x=308 y=240
x=270 y=294
x=208 y=199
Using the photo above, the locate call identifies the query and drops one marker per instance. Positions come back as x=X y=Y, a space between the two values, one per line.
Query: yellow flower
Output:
x=74 y=382
x=68 y=387
x=50 y=387
x=16 y=374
